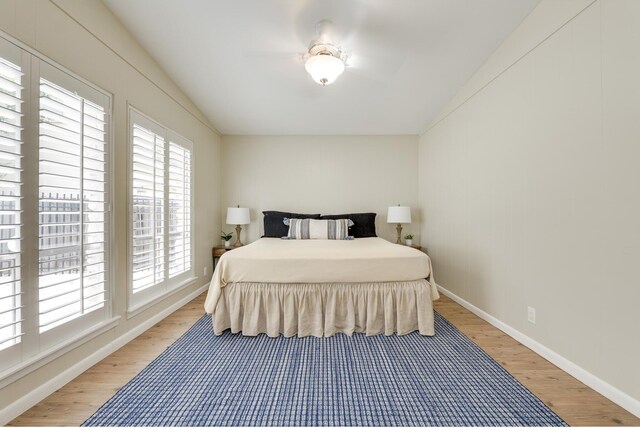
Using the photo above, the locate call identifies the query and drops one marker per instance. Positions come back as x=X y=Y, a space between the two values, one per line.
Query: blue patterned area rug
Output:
x=232 y=380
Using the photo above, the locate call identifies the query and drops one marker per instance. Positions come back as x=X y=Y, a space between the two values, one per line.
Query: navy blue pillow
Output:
x=274 y=226
x=364 y=224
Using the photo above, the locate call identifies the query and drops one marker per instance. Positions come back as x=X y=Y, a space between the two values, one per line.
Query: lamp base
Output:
x=399 y=230
x=238 y=242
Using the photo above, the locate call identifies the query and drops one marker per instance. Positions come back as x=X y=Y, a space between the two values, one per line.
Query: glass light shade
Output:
x=238 y=215
x=399 y=215
x=324 y=69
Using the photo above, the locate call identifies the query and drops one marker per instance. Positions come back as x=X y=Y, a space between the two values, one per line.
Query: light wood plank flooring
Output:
x=572 y=400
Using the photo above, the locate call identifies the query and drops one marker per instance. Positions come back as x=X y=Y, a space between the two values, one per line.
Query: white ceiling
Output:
x=238 y=60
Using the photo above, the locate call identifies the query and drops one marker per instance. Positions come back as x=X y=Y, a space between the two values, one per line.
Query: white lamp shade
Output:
x=399 y=215
x=238 y=215
x=324 y=69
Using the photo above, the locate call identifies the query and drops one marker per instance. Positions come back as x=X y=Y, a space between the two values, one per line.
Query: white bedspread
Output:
x=279 y=261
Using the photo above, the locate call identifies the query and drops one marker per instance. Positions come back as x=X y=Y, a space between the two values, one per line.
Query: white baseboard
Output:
x=24 y=403
x=612 y=393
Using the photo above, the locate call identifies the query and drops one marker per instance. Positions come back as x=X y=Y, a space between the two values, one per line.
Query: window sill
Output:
x=31 y=364
x=137 y=309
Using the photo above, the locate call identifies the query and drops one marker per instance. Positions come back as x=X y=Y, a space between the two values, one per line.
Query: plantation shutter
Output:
x=159 y=210
x=11 y=98
x=72 y=263
x=179 y=207
x=148 y=188
x=54 y=220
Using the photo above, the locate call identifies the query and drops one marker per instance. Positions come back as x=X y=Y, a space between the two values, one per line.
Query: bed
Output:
x=322 y=287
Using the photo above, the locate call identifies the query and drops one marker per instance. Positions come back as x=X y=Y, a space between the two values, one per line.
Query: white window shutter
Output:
x=160 y=210
x=179 y=209
x=11 y=93
x=72 y=205
x=147 y=208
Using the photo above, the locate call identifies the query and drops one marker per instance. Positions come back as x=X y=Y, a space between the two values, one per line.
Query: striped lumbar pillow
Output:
x=307 y=228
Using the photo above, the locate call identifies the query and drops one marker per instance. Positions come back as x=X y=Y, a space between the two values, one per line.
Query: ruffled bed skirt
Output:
x=325 y=309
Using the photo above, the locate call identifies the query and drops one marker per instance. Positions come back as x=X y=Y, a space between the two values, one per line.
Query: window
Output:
x=160 y=210
x=148 y=182
x=72 y=190
x=11 y=91
x=53 y=283
x=179 y=209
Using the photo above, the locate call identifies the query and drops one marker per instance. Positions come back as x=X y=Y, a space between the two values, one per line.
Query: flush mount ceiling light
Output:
x=325 y=61
x=324 y=67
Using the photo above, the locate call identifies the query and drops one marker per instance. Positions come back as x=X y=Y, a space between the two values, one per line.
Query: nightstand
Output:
x=217 y=252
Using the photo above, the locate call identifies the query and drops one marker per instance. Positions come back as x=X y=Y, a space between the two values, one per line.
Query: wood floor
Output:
x=570 y=399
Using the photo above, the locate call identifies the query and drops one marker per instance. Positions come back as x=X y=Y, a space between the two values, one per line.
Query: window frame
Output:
x=143 y=299
x=70 y=83
x=14 y=354
x=37 y=349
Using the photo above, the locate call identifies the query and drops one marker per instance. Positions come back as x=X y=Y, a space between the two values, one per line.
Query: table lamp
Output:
x=238 y=216
x=399 y=215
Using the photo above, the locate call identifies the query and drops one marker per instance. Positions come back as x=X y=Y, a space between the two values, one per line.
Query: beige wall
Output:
x=321 y=174
x=529 y=186
x=84 y=37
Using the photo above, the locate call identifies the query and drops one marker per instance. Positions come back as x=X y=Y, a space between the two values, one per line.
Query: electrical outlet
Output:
x=206 y=270
x=531 y=314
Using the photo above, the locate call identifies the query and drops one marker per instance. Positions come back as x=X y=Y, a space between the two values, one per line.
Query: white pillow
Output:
x=308 y=228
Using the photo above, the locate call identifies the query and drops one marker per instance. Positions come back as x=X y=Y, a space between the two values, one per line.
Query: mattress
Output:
x=280 y=261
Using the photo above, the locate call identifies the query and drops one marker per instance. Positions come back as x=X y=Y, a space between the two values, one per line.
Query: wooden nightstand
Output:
x=217 y=252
